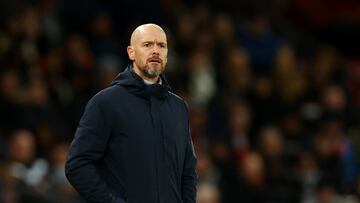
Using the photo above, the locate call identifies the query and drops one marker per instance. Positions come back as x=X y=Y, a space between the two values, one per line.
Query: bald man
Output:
x=133 y=142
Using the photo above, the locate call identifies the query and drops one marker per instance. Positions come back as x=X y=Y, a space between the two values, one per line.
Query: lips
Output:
x=155 y=60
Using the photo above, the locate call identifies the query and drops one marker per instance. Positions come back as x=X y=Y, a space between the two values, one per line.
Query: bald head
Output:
x=144 y=30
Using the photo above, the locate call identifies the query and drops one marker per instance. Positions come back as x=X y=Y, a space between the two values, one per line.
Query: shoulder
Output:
x=106 y=96
x=178 y=100
x=110 y=91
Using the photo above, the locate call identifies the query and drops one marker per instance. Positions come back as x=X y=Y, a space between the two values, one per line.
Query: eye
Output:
x=146 y=45
x=162 y=45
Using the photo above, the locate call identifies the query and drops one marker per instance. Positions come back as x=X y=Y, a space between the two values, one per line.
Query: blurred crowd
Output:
x=274 y=109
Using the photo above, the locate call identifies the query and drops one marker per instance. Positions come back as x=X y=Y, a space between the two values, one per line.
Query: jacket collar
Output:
x=136 y=85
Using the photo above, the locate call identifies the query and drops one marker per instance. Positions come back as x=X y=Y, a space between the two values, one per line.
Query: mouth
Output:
x=155 y=60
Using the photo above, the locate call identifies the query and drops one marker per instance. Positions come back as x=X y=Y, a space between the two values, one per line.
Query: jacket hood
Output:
x=136 y=85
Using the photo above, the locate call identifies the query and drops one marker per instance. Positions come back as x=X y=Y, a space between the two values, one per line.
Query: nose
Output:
x=155 y=50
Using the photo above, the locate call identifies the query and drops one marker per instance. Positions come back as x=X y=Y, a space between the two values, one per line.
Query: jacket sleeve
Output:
x=86 y=150
x=189 y=175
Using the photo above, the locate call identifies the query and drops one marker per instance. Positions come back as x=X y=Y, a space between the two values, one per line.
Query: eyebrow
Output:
x=152 y=42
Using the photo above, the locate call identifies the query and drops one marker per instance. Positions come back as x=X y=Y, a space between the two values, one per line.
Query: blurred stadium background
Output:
x=273 y=88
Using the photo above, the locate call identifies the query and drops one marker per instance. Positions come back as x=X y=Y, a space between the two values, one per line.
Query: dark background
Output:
x=273 y=89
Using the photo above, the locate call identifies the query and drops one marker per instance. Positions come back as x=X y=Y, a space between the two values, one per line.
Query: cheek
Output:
x=140 y=57
x=165 y=56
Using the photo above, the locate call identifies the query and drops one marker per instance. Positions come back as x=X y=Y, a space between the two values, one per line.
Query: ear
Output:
x=131 y=54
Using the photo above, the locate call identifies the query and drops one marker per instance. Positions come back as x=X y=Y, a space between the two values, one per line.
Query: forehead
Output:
x=151 y=34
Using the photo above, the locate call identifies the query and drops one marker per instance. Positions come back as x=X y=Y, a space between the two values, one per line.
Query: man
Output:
x=133 y=142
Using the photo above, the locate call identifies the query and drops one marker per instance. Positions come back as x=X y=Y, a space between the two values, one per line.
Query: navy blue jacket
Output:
x=133 y=145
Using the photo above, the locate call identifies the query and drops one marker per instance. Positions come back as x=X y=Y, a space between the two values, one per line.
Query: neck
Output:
x=148 y=82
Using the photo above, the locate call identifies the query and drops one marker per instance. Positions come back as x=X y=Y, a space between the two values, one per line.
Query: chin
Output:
x=154 y=65
x=156 y=68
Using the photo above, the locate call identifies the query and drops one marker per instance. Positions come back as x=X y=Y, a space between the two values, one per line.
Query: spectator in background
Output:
x=282 y=184
x=326 y=193
x=58 y=188
x=249 y=183
x=296 y=140
x=9 y=186
x=236 y=73
x=224 y=28
x=262 y=97
x=261 y=43
x=52 y=29
x=327 y=67
x=10 y=101
x=39 y=109
x=357 y=188
x=353 y=81
x=289 y=79
x=209 y=179
x=309 y=175
x=338 y=154
x=198 y=121
x=334 y=103
x=239 y=125
x=207 y=193
x=28 y=170
x=106 y=49
x=202 y=82
x=78 y=69
x=326 y=153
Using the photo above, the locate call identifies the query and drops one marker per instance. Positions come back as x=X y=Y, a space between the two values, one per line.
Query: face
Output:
x=148 y=51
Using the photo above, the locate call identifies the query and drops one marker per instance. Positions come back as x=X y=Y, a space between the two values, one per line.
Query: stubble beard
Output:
x=151 y=73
